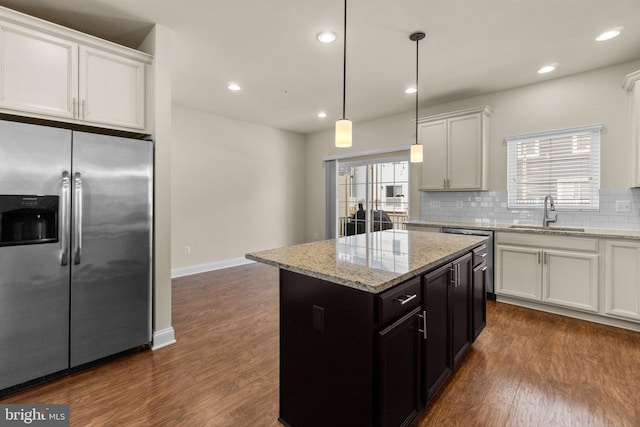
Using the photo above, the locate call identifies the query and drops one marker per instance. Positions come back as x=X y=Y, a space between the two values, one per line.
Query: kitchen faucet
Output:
x=546 y=219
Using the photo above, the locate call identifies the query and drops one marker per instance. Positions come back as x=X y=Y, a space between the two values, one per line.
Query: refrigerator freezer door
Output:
x=34 y=286
x=111 y=267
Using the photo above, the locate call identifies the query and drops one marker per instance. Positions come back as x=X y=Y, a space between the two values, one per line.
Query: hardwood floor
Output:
x=527 y=368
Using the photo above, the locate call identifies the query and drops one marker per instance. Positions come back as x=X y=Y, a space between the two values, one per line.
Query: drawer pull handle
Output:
x=406 y=299
x=484 y=255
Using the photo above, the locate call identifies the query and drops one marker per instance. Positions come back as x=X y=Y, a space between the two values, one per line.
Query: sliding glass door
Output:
x=371 y=196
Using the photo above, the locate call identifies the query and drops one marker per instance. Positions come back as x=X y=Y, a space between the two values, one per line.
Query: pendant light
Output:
x=343 y=126
x=416 y=149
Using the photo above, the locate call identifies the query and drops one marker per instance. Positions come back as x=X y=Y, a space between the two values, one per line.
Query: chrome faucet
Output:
x=546 y=219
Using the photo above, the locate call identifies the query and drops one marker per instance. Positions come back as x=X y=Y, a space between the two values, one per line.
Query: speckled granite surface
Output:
x=601 y=233
x=370 y=262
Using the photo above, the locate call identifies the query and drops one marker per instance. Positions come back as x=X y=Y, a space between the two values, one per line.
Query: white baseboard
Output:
x=163 y=338
x=203 y=268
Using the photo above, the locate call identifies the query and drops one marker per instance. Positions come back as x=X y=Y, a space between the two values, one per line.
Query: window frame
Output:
x=594 y=132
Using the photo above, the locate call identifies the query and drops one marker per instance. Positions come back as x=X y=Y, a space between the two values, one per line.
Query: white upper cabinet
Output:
x=38 y=72
x=433 y=170
x=632 y=85
x=455 y=150
x=51 y=72
x=112 y=89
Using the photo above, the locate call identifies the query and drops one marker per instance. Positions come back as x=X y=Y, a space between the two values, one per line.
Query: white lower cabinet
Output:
x=622 y=279
x=571 y=279
x=550 y=269
x=518 y=272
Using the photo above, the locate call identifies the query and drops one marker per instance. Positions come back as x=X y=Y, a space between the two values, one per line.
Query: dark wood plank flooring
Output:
x=528 y=368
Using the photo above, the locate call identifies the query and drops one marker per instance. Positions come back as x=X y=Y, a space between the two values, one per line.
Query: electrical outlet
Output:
x=187 y=250
x=623 y=206
x=434 y=203
x=459 y=204
x=318 y=318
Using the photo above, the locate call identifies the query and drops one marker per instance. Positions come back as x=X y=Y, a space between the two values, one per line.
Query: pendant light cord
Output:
x=417 y=57
x=344 y=64
x=416 y=37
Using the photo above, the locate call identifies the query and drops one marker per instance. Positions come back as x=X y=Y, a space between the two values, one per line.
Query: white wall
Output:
x=237 y=187
x=592 y=97
x=158 y=43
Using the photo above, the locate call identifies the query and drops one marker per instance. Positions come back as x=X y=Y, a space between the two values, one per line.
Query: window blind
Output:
x=563 y=163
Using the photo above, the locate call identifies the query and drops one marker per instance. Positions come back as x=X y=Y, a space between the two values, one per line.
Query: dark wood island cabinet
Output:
x=371 y=325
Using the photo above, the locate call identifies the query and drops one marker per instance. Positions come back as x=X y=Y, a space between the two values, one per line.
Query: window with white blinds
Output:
x=563 y=163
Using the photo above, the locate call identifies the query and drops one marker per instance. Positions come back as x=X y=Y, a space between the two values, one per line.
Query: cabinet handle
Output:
x=423 y=316
x=444 y=183
x=484 y=268
x=73 y=107
x=539 y=253
x=452 y=271
x=406 y=299
x=484 y=255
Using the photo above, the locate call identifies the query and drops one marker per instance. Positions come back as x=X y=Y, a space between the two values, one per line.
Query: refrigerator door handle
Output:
x=77 y=218
x=66 y=199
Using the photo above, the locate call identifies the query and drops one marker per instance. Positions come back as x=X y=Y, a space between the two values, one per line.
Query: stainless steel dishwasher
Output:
x=488 y=233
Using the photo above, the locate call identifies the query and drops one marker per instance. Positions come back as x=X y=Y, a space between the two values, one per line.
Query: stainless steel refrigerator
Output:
x=75 y=248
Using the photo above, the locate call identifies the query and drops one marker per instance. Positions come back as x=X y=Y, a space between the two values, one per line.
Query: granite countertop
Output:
x=535 y=229
x=370 y=262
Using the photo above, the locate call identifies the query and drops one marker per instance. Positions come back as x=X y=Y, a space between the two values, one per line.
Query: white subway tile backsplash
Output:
x=491 y=206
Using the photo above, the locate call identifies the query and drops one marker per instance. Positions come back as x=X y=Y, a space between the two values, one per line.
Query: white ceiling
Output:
x=287 y=76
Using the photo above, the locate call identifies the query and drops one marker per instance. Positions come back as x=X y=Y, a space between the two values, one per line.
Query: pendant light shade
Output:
x=343 y=126
x=416 y=153
x=416 y=149
x=343 y=133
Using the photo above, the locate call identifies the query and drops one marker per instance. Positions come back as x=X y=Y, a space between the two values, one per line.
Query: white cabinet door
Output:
x=519 y=272
x=433 y=170
x=112 y=89
x=622 y=279
x=632 y=85
x=465 y=152
x=454 y=150
x=38 y=72
x=571 y=279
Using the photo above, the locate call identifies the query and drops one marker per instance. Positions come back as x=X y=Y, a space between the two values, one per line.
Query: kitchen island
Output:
x=371 y=325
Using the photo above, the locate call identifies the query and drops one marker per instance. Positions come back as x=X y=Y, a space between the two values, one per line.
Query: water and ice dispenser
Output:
x=28 y=220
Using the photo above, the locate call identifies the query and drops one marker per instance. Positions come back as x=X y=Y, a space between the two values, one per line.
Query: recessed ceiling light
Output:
x=327 y=36
x=234 y=87
x=410 y=90
x=546 y=69
x=322 y=114
x=608 y=35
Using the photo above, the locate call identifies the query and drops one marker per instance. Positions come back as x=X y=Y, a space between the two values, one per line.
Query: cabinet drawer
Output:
x=568 y=242
x=479 y=255
x=399 y=300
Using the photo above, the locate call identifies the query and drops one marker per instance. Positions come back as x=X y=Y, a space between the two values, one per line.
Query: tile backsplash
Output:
x=490 y=207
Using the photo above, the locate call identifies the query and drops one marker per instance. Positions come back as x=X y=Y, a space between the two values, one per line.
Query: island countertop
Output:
x=372 y=262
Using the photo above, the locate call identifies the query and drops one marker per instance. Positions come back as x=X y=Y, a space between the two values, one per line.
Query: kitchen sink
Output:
x=540 y=227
